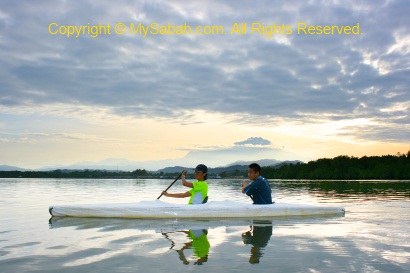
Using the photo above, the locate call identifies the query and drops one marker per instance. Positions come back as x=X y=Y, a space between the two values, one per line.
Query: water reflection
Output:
x=351 y=189
x=258 y=236
x=187 y=237
x=158 y=225
x=198 y=242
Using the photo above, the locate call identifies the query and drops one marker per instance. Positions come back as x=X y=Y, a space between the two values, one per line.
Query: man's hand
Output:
x=244 y=184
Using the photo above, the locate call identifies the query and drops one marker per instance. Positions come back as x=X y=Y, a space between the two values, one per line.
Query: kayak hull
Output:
x=218 y=209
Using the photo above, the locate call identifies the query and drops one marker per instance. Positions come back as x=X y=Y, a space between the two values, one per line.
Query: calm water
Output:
x=373 y=235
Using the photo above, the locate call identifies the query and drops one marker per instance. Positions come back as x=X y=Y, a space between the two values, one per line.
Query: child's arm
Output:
x=177 y=195
x=185 y=182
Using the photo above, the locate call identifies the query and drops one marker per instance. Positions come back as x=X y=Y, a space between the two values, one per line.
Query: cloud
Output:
x=255 y=141
x=251 y=79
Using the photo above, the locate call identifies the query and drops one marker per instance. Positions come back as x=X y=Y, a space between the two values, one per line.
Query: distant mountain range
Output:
x=11 y=168
x=241 y=166
x=238 y=165
x=254 y=149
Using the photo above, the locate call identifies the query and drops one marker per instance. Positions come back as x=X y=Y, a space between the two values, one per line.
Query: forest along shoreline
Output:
x=387 y=167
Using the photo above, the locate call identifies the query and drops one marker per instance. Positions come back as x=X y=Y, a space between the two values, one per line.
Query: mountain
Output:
x=211 y=158
x=230 y=168
x=112 y=164
x=287 y=162
x=222 y=157
x=247 y=151
x=208 y=158
x=218 y=170
x=11 y=168
x=176 y=169
x=239 y=165
x=261 y=162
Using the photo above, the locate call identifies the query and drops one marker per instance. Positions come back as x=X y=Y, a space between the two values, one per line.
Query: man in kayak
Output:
x=259 y=190
x=199 y=189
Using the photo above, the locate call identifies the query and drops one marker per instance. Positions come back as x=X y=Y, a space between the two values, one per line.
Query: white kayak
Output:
x=215 y=209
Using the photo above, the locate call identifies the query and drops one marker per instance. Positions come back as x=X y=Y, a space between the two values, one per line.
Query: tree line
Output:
x=395 y=167
x=93 y=174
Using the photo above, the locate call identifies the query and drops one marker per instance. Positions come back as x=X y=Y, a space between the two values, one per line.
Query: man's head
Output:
x=254 y=170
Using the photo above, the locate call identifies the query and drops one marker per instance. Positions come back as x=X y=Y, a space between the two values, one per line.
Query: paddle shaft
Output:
x=171 y=185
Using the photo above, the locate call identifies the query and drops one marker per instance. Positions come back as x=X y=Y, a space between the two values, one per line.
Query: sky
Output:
x=80 y=81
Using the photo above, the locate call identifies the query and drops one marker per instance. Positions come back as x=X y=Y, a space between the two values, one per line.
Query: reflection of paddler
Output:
x=199 y=244
x=258 y=237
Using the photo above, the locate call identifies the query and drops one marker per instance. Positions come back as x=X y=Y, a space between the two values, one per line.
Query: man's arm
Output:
x=252 y=188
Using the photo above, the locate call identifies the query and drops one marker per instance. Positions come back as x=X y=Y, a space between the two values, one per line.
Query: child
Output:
x=199 y=189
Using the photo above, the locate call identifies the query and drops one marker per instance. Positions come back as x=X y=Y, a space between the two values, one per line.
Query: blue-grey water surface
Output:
x=373 y=235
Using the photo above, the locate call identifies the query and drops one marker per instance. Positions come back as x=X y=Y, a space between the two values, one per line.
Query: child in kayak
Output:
x=199 y=190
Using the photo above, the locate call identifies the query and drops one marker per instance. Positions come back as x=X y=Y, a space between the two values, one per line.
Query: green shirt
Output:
x=200 y=244
x=198 y=192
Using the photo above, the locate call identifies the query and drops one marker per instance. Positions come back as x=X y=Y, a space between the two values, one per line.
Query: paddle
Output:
x=171 y=185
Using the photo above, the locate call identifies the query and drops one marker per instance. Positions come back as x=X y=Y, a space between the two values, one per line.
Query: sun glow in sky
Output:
x=65 y=99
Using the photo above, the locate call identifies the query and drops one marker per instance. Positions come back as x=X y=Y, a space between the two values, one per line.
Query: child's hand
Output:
x=184 y=172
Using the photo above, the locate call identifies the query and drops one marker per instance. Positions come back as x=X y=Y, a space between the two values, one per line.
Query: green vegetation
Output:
x=96 y=174
x=346 y=168
x=395 y=167
x=104 y=174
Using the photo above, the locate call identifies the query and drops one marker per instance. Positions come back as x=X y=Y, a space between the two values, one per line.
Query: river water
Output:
x=372 y=236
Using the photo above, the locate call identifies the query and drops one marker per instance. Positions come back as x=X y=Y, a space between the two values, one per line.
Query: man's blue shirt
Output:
x=260 y=191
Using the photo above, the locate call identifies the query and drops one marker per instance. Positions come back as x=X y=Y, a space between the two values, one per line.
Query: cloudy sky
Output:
x=86 y=96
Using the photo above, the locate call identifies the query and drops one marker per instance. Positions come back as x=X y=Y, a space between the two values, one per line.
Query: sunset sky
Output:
x=71 y=98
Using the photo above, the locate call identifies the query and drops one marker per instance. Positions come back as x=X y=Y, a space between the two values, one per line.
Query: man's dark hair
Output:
x=255 y=167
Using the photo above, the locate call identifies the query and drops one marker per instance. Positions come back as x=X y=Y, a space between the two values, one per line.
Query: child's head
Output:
x=201 y=172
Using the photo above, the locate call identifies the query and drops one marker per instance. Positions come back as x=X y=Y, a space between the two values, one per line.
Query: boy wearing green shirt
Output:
x=199 y=190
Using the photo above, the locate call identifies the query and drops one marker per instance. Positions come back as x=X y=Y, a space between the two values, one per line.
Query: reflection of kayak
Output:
x=176 y=224
x=221 y=209
x=159 y=225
